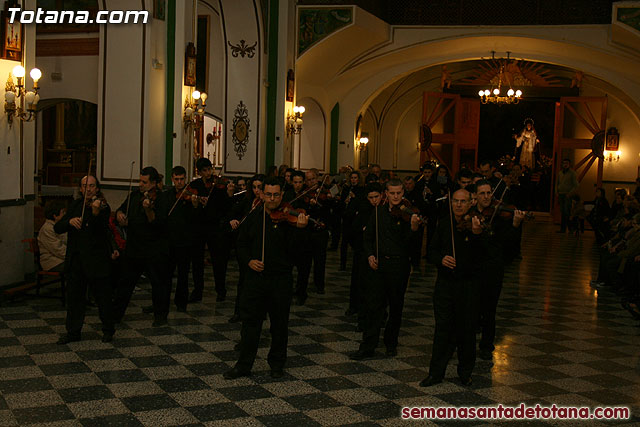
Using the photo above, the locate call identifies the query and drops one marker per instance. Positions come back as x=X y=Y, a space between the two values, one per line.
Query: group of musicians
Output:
x=277 y=224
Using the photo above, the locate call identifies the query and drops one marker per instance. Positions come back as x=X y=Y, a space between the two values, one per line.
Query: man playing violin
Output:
x=502 y=235
x=387 y=246
x=144 y=213
x=212 y=225
x=183 y=202
x=455 y=250
x=267 y=247
x=316 y=252
x=87 y=261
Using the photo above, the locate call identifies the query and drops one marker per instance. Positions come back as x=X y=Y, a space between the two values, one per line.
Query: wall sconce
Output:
x=294 y=121
x=25 y=105
x=194 y=109
x=612 y=156
x=362 y=143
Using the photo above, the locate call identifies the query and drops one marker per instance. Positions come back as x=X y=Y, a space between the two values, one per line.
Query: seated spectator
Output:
x=616 y=205
x=598 y=217
x=577 y=215
x=53 y=246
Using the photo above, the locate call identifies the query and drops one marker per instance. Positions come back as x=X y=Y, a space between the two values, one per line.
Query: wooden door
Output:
x=578 y=120
x=450 y=126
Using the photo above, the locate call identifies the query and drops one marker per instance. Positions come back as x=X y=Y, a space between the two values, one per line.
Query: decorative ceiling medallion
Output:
x=240 y=130
x=515 y=73
x=243 y=49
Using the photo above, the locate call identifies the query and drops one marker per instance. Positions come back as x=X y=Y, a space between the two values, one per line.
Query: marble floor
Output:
x=559 y=341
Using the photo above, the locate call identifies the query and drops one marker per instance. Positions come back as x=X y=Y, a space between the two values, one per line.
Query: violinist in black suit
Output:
x=89 y=252
x=144 y=213
x=267 y=247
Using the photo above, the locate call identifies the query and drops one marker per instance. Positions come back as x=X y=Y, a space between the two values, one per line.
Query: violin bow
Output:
x=219 y=176
x=495 y=210
x=86 y=187
x=303 y=193
x=249 y=213
x=264 y=222
x=377 y=255
x=320 y=187
x=453 y=242
x=178 y=198
x=130 y=183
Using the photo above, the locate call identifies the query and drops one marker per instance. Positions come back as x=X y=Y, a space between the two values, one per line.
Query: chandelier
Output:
x=495 y=95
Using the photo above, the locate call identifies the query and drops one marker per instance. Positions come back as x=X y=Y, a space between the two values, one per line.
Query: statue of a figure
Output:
x=527 y=141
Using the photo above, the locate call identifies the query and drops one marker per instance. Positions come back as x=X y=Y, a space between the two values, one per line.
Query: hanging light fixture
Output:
x=495 y=95
x=19 y=102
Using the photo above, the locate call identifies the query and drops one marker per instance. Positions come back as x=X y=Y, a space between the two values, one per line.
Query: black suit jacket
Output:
x=90 y=247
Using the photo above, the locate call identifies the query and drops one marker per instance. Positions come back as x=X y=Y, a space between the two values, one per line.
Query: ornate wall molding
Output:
x=240 y=130
x=243 y=49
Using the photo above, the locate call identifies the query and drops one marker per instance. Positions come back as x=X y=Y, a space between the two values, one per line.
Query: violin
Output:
x=97 y=196
x=405 y=210
x=286 y=213
x=151 y=196
x=188 y=194
x=503 y=211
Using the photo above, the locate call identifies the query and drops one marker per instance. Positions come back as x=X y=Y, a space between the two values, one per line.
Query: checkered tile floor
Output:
x=558 y=342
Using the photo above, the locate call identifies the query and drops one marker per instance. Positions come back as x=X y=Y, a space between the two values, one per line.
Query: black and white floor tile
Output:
x=558 y=342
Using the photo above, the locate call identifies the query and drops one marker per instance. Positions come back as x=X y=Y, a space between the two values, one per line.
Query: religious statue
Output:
x=526 y=141
x=445 y=78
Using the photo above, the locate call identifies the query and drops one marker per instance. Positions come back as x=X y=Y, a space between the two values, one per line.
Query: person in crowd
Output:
x=52 y=246
x=456 y=251
x=89 y=252
x=387 y=247
x=211 y=223
x=599 y=216
x=566 y=186
x=266 y=245
x=144 y=212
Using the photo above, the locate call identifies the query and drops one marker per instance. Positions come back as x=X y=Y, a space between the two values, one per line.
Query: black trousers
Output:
x=242 y=274
x=357 y=280
x=387 y=285
x=344 y=245
x=416 y=248
x=77 y=284
x=180 y=257
x=316 y=256
x=455 y=312
x=156 y=269
x=264 y=293
x=219 y=244
x=432 y=222
x=490 y=294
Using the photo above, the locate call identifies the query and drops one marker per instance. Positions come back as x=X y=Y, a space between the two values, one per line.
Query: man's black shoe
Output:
x=234 y=319
x=277 y=373
x=107 y=337
x=320 y=291
x=485 y=355
x=362 y=355
x=234 y=373
x=221 y=297
x=300 y=300
x=429 y=381
x=66 y=339
x=466 y=381
x=148 y=309
x=181 y=308
x=391 y=352
x=238 y=346
x=160 y=322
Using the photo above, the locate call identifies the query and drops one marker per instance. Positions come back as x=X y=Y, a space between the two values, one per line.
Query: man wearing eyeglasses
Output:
x=88 y=260
x=456 y=254
x=267 y=247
